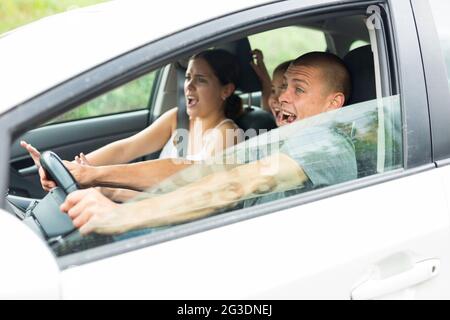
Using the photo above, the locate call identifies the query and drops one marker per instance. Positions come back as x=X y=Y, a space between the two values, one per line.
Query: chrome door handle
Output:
x=373 y=288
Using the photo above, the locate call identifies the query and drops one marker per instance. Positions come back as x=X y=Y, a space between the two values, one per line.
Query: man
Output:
x=313 y=84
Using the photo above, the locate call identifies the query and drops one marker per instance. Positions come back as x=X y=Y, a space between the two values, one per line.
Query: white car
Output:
x=384 y=235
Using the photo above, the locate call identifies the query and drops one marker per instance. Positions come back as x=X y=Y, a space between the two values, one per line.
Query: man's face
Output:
x=305 y=94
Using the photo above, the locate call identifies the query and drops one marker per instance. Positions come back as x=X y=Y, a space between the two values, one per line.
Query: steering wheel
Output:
x=58 y=172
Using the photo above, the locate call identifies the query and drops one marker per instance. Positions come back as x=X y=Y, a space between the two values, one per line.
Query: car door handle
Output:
x=420 y=272
x=28 y=170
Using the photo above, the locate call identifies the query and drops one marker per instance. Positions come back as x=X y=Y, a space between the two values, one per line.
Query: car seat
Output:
x=361 y=67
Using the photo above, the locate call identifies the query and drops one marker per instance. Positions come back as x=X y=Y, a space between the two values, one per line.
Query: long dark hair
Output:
x=226 y=68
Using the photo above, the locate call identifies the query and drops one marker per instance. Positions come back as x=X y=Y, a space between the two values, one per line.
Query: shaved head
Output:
x=334 y=72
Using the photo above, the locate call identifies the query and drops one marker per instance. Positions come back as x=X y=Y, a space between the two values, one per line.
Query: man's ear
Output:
x=337 y=101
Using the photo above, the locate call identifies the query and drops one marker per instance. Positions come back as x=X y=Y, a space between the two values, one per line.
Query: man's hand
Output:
x=93 y=212
x=46 y=183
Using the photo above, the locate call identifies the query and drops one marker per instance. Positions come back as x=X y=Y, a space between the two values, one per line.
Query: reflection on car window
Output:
x=440 y=9
x=371 y=128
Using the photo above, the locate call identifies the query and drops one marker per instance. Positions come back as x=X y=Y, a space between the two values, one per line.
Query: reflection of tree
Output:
x=364 y=135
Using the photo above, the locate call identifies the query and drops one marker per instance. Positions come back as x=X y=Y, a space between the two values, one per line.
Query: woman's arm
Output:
x=147 y=141
x=193 y=201
x=136 y=176
x=117 y=194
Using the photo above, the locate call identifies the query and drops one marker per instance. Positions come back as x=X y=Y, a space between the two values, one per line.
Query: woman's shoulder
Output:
x=227 y=124
x=171 y=116
x=229 y=129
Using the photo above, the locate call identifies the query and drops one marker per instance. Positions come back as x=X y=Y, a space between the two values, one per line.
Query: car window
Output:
x=334 y=147
x=357 y=44
x=440 y=8
x=132 y=96
x=371 y=131
x=277 y=44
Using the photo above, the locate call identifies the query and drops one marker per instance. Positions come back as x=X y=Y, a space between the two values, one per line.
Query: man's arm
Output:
x=196 y=200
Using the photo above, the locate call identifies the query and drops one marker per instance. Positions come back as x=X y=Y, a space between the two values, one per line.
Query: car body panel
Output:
x=28 y=268
x=302 y=252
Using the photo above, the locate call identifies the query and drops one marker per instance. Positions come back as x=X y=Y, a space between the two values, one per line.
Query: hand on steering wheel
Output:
x=58 y=172
x=46 y=183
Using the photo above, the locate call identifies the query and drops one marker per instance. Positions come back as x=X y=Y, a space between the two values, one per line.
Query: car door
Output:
x=385 y=235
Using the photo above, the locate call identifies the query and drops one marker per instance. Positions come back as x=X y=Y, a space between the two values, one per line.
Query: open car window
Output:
x=320 y=145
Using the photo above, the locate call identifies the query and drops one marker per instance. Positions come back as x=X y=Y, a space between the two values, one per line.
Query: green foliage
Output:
x=129 y=97
x=14 y=13
x=287 y=43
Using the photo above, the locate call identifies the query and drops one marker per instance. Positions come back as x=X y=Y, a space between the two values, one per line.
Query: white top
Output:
x=170 y=151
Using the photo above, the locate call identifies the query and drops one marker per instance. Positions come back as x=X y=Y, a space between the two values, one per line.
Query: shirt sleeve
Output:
x=326 y=155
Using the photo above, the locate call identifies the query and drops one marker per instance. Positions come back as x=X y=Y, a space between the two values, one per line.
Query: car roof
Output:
x=45 y=53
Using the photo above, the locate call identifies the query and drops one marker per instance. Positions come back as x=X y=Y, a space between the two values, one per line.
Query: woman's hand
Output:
x=81 y=159
x=80 y=169
x=46 y=183
x=84 y=174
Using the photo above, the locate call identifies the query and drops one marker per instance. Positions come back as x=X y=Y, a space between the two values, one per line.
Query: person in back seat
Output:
x=271 y=89
x=313 y=157
x=209 y=87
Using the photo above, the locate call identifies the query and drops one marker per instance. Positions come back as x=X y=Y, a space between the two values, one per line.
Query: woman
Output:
x=211 y=105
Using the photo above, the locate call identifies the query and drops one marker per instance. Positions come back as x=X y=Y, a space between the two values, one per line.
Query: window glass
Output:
x=357 y=44
x=440 y=10
x=277 y=45
x=320 y=151
x=129 y=97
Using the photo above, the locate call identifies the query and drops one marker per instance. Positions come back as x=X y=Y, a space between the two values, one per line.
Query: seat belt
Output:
x=181 y=137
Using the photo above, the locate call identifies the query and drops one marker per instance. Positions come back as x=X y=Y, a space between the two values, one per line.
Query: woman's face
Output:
x=203 y=92
x=277 y=84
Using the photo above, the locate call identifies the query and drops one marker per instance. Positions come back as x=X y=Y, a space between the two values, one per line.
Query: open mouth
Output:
x=285 y=116
x=191 y=102
x=276 y=112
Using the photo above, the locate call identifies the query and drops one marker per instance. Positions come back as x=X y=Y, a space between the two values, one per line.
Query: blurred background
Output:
x=277 y=46
x=14 y=13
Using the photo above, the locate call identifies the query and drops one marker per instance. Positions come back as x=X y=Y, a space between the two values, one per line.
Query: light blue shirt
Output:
x=326 y=155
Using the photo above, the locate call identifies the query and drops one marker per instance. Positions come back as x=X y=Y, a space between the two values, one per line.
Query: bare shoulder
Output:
x=227 y=125
x=170 y=116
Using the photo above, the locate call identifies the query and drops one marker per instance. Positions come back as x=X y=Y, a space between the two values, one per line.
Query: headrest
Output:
x=360 y=65
x=255 y=118
x=248 y=80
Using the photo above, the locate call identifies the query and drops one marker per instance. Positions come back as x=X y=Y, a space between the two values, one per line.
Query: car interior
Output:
x=346 y=36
